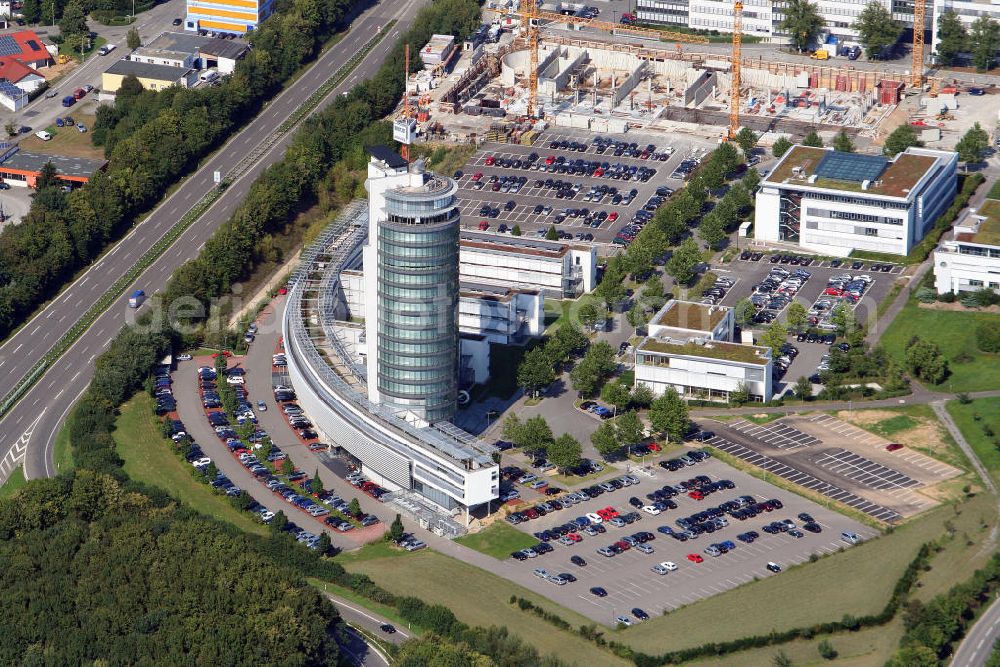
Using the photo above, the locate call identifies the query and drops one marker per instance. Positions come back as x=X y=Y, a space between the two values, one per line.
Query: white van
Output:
x=208 y=75
x=43 y=135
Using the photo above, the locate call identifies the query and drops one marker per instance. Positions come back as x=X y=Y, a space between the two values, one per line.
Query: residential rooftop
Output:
x=690 y=315
x=744 y=354
x=851 y=172
x=984 y=223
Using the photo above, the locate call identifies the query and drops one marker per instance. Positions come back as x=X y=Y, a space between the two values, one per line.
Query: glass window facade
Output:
x=417 y=250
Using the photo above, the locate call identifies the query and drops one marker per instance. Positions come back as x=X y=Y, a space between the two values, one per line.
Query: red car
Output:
x=623 y=545
x=833 y=291
x=575 y=537
x=893 y=447
x=282 y=290
x=483 y=225
x=550 y=159
x=478 y=175
x=696 y=495
x=612 y=216
x=653 y=446
x=490 y=160
x=598 y=172
x=695 y=558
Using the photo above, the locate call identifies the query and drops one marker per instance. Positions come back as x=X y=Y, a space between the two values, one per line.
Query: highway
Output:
x=28 y=431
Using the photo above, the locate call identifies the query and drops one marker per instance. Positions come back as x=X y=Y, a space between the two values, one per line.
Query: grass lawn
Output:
x=67 y=140
x=987 y=447
x=871 y=568
x=149 y=459
x=483 y=601
x=347 y=594
x=576 y=480
x=382 y=549
x=498 y=540
x=62 y=452
x=865 y=648
x=955 y=333
x=893 y=425
x=916 y=426
x=13 y=483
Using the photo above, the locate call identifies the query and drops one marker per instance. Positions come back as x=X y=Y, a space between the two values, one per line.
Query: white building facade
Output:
x=557 y=269
x=689 y=349
x=969 y=258
x=833 y=203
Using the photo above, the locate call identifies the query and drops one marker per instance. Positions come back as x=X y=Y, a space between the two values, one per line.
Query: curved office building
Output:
x=417 y=300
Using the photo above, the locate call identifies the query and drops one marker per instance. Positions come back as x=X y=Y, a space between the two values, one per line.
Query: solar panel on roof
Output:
x=851 y=166
x=33 y=45
x=10 y=90
x=9 y=46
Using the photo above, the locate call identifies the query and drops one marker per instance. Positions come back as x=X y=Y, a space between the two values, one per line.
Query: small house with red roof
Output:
x=22 y=53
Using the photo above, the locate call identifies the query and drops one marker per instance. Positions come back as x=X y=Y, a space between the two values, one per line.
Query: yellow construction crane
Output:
x=734 y=94
x=531 y=17
x=917 y=68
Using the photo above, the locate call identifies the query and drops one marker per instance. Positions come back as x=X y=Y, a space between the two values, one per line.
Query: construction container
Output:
x=890 y=92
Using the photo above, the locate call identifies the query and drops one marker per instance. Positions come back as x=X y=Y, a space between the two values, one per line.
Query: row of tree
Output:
x=539 y=366
x=151 y=139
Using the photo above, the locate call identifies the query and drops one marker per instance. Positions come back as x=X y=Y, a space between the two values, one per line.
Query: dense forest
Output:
x=94 y=571
x=151 y=140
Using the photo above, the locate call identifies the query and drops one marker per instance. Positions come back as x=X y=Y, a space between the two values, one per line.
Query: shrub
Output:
x=988 y=336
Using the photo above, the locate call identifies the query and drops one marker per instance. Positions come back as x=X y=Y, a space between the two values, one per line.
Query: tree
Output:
x=11 y=129
x=48 y=177
x=323 y=545
x=285 y=466
x=668 y=414
x=565 y=452
x=781 y=146
x=588 y=315
x=780 y=659
x=605 y=439
x=515 y=230
x=988 y=336
x=132 y=38
x=535 y=371
x=984 y=38
x=629 y=429
x=637 y=315
x=536 y=436
x=843 y=143
x=876 y=29
x=316 y=485
x=211 y=471
x=796 y=315
x=802 y=22
x=552 y=234
x=684 y=261
x=804 y=388
x=130 y=87
x=740 y=395
x=653 y=293
x=971 y=146
x=924 y=360
x=74 y=20
x=354 y=507
x=774 y=337
x=32 y=10
x=278 y=522
x=512 y=429
x=813 y=139
x=396 y=529
x=900 y=139
x=743 y=312
x=616 y=394
x=953 y=38
x=567 y=339
x=712 y=231
x=826 y=650
x=747 y=139
x=642 y=396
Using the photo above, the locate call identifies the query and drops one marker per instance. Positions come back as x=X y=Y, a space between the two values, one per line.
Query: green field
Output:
x=62 y=452
x=955 y=333
x=987 y=447
x=13 y=483
x=149 y=459
x=498 y=540
x=893 y=425
x=369 y=551
x=478 y=597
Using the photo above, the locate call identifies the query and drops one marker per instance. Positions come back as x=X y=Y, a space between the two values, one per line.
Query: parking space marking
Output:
x=811 y=482
x=777 y=434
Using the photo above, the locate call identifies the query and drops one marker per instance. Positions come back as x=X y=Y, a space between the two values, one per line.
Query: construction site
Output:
x=530 y=69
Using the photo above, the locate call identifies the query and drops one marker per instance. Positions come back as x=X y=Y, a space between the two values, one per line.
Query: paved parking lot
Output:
x=530 y=195
x=838 y=460
x=627 y=577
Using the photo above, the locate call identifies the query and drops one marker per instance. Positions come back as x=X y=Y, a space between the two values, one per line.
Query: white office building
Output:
x=967 y=10
x=968 y=259
x=833 y=203
x=689 y=349
x=557 y=269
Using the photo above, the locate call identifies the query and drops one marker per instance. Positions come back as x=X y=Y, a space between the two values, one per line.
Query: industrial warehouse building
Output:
x=21 y=168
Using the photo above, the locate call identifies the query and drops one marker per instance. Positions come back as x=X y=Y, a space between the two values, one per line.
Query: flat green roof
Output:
x=691 y=315
x=988 y=232
x=899 y=177
x=746 y=354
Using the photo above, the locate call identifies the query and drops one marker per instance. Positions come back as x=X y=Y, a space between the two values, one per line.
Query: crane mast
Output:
x=734 y=94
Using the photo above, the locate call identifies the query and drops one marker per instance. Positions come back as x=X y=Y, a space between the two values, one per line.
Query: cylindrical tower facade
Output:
x=417 y=341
